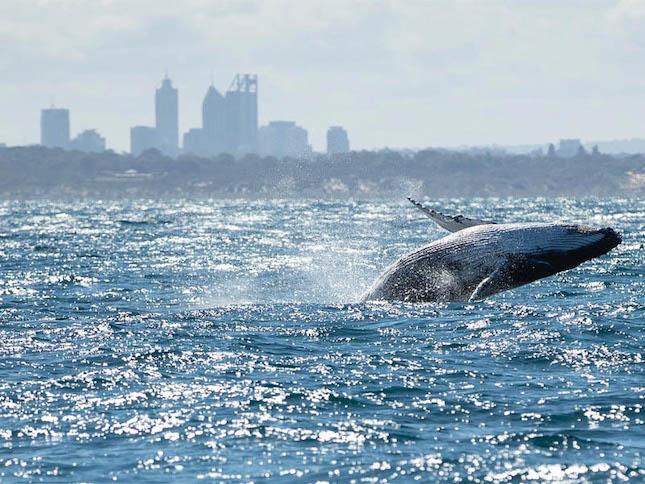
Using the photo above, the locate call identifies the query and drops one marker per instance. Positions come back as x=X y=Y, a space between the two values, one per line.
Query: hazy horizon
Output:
x=394 y=74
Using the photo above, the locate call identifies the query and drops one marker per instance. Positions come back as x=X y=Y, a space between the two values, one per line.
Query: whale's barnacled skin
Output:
x=481 y=260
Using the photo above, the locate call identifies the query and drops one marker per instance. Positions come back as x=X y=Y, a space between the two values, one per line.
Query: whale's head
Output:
x=567 y=246
x=535 y=251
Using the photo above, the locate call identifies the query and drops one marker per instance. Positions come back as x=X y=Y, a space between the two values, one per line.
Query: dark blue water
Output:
x=222 y=340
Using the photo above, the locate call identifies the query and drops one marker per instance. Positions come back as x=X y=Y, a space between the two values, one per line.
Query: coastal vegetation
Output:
x=36 y=171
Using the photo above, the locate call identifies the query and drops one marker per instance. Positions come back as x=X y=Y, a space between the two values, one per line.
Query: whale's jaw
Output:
x=600 y=242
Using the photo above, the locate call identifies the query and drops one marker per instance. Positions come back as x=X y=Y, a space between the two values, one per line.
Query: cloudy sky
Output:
x=399 y=73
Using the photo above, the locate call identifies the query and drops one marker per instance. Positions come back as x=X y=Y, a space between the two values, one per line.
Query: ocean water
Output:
x=222 y=340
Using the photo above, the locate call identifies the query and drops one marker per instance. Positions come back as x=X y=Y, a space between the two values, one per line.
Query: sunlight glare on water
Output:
x=223 y=340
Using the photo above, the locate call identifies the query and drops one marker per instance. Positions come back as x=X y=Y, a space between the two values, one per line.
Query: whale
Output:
x=481 y=258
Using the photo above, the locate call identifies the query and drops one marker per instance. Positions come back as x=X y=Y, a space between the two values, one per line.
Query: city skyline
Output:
x=397 y=74
x=221 y=131
x=219 y=134
x=229 y=124
x=278 y=138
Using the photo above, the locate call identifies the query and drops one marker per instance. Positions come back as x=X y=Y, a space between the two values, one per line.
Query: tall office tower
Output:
x=54 y=127
x=337 y=140
x=142 y=138
x=284 y=138
x=167 y=117
x=89 y=141
x=242 y=115
x=214 y=123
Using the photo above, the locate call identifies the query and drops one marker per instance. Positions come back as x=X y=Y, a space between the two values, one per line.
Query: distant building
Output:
x=165 y=135
x=337 y=140
x=142 y=138
x=284 y=138
x=214 y=123
x=242 y=115
x=54 y=128
x=195 y=142
x=230 y=122
x=568 y=148
x=90 y=141
x=167 y=117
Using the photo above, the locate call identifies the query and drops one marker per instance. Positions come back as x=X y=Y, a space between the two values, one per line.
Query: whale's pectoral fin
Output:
x=512 y=273
x=451 y=224
x=489 y=285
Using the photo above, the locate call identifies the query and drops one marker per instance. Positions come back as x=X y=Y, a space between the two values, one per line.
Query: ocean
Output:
x=180 y=340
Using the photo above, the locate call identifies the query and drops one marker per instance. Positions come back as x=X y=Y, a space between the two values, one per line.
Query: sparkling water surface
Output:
x=223 y=340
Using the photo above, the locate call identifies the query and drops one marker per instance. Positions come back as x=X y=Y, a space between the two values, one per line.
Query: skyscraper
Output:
x=214 y=129
x=337 y=140
x=167 y=117
x=54 y=127
x=242 y=115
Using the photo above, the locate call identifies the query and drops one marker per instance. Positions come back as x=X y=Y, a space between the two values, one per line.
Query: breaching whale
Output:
x=481 y=258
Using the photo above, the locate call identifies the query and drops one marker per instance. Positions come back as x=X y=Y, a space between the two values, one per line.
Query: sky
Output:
x=399 y=73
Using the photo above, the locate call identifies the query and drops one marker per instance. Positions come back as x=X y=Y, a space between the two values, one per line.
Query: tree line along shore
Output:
x=35 y=171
